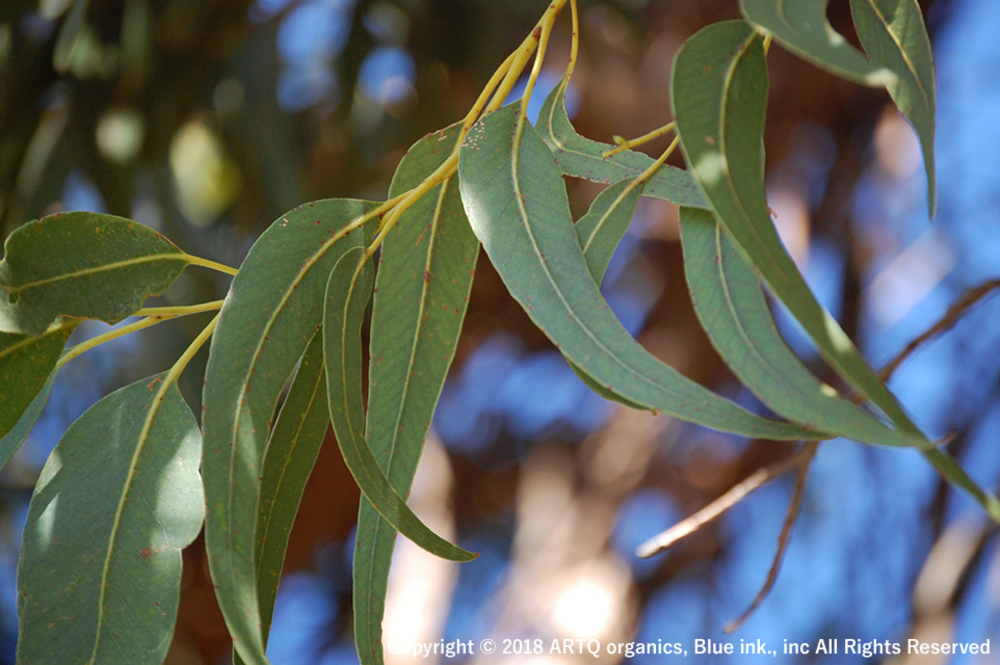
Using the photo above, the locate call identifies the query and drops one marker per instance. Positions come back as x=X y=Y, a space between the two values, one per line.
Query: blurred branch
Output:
x=807 y=453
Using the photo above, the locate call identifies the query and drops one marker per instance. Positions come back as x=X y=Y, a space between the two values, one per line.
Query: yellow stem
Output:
x=654 y=167
x=205 y=263
x=188 y=354
x=624 y=145
x=575 y=40
x=543 y=43
x=767 y=42
x=182 y=310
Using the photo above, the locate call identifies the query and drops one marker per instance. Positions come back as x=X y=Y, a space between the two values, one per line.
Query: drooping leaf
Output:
x=347 y=296
x=85 y=265
x=516 y=202
x=291 y=455
x=730 y=305
x=100 y=568
x=12 y=440
x=25 y=365
x=802 y=28
x=274 y=307
x=579 y=157
x=421 y=293
x=893 y=34
x=605 y=224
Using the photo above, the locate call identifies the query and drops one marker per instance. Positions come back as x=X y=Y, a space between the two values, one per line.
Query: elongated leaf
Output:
x=100 y=568
x=421 y=293
x=802 y=28
x=605 y=224
x=291 y=455
x=85 y=265
x=25 y=365
x=12 y=440
x=730 y=305
x=347 y=296
x=719 y=95
x=274 y=307
x=894 y=36
x=580 y=157
x=516 y=201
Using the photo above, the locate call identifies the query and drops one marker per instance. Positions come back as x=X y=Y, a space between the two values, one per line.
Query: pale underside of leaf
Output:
x=421 y=294
x=274 y=307
x=516 y=202
x=580 y=157
x=100 y=568
x=801 y=26
x=347 y=295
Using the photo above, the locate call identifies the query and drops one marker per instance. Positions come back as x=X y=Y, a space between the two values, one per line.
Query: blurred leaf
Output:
x=731 y=308
x=347 y=296
x=580 y=157
x=274 y=307
x=291 y=455
x=82 y=264
x=516 y=201
x=12 y=440
x=25 y=365
x=69 y=34
x=421 y=293
x=802 y=28
x=100 y=568
x=894 y=36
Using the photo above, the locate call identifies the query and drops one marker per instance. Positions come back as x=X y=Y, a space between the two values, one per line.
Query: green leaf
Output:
x=12 y=440
x=421 y=293
x=516 y=201
x=274 y=307
x=25 y=365
x=730 y=305
x=291 y=455
x=85 y=265
x=893 y=34
x=802 y=28
x=347 y=296
x=100 y=568
x=605 y=224
x=579 y=157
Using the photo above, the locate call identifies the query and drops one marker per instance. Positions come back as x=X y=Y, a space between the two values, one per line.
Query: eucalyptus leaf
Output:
x=802 y=28
x=82 y=264
x=580 y=157
x=100 y=567
x=274 y=307
x=347 y=295
x=516 y=202
x=893 y=34
x=25 y=365
x=421 y=294
x=11 y=442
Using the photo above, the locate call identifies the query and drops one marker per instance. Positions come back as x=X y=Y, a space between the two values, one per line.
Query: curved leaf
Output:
x=25 y=365
x=516 y=201
x=347 y=295
x=421 y=293
x=893 y=34
x=579 y=157
x=12 y=440
x=274 y=307
x=291 y=455
x=100 y=568
x=731 y=308
x=802 y=28
x=85 y=265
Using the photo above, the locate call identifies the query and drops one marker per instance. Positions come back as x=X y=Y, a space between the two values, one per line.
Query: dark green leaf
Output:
x=894 y=36
x=100 y=568
x=802 y=28
x=730 y=304
x=605 y=224
x=421 y=293
x=82 y=264
x=25 y=365
x=580 y=157
x=347 y=296
x=274 y=307
x=291 y=455
x=516 y=201
x=12 y=440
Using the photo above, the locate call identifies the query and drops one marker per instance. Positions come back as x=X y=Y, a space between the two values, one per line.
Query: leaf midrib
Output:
x=20 y=288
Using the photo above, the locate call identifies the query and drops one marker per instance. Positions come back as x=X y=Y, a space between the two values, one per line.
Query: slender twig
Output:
x=809 y=451
x=951 y=317
x=712 y=511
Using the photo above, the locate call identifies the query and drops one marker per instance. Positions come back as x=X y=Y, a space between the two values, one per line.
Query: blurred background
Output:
x=206 y=119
